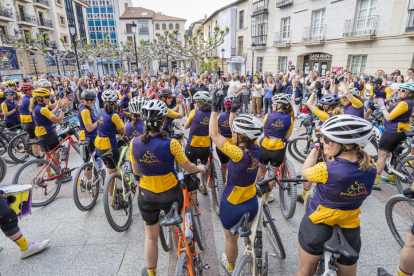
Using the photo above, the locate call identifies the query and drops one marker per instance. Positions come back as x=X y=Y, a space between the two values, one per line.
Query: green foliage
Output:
x=208 y=65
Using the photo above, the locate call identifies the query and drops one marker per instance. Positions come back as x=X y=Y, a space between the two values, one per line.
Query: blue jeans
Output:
x=268 y=103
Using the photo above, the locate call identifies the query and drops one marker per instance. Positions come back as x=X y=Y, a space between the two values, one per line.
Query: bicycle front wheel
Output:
x=86 y=191
x=288 y=197
x=165 y=235
x=405 y=167
x=5 y=139
x=17 y=149
x=183 y=267
x=35 y=172
x=3 y=168
x=272 y=233
x=216 y=184
x=399 y=212
x=118 y=209
x=198 y=229
x=244 y=266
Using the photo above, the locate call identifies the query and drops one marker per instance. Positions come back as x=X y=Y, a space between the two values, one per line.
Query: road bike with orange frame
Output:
x=46 y=187
x=188 y=227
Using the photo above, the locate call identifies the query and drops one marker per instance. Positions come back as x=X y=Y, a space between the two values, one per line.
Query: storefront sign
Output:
x=8 y=60
x=337 y=68
x=235 y=59
x=49 y=61
x=320 y=57
x=291 y=67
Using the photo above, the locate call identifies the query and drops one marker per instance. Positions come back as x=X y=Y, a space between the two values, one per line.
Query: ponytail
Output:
x=157 y=129
x=242 y=138
x=364 y=160
x=109 y=107
x=135 y=117
x=336 y=110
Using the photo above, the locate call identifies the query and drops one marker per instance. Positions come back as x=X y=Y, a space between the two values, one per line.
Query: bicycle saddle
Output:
x=337 y=244
x=172 y=218
x=408 y=133
x=33 y=143
x=107 y=153
x=84 y=143
x=241 y=227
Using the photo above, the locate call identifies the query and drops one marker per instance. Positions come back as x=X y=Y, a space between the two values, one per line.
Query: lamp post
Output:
x=159 y=56
x=134 y=30
x=34 y=62
x=222 y=60
x=72 y=30
x=56 y=58
x=63 y=64
x=253 y=46
x=166 y=51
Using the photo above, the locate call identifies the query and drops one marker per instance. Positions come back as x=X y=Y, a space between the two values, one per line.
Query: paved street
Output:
x=83 y=243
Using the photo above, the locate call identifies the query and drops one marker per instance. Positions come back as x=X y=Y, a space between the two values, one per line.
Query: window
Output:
x=170 y=26
x=410 y=22
x=144 y=13
x=365 y=15
x=143 y=27
x=59 y=3
x=177 y=26
x=157 y=26
x=164 y=26
x=129 y=38
x=65 y=39
x=128 y=29
x=62 y=20
x=241 y=19
x=240 y=46
x=260 y=64
x=318 y=27
x=209 y=35
x=81 y=22
x=259 y=29
x=357 y=64
x=283 y=64
x=285 y=28
x=179 y=37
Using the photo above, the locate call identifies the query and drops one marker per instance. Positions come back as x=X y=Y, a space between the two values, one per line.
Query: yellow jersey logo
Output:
x=278 y=123
x=100 y=120
x=254 y=165
x=225 y=124
x=355 y=190
x=149 y=158
x=205 y=121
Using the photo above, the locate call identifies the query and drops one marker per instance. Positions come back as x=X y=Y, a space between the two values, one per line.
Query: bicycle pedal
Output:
x=205 y=266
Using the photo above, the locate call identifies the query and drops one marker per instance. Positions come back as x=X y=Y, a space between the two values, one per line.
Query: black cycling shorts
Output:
x=150 y=204
x=88 y=151
x=13 y=124
x=371 y=105
x=313 y=236
x=389 y=140
x=110 y=162
x=274 y=157
x=194 y=153
x=30 y=129
x=224 y=159
x=49 y=141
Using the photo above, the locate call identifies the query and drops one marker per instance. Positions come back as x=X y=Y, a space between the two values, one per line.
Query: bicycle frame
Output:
x=391 y=167
x=124 y=152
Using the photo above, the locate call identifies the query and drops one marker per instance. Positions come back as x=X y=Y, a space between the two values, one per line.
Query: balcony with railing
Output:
x=26 y=19
x=143 y=30
x=45 y=23
x=8 y=39
x=282 y=39
x=365 y=26
x=314 y=34
x=6 y=14
x=410 y=23
x=283 y=3
x=260 y=6
x=233 y=51
x=259 y=40
x=41 y=3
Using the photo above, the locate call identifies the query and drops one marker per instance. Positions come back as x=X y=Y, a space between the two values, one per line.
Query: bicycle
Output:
x=6 y=135
x=189 y=228
x=251 y=263
x=399 y=212
x=34 y=172
x=3 y=168
x=88 y=188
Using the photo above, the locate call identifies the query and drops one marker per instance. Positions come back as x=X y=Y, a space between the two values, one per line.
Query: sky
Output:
x=192 y=10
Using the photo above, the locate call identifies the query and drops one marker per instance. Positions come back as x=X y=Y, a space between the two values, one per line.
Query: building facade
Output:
x=50 y=18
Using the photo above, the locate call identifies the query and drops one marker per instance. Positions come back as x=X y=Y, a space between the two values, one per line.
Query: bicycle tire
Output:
x=292 y=151
x=5 y=140
x=11 y=146
x=217 y=186
x=373 y=153
x=302 y=155
x=18 y=180
x=389 y=215
x=112 y=223
x=401 y=185
x=308 y=198
x=197 y=227
x=94 y=189
x=407 y=150
x=242 y=266
x=182 y=267
x=3 y=168
x=166 y=240
x=288 y=197
x=273 y=234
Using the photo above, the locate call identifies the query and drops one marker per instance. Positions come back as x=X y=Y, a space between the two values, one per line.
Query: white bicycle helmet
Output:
x=281 y=98
x=154 y=111
x=348 y=129
x=43 y=83
x=354 y=92
x=136 y=103
x=229 y=98
x=202 y=96
x=109 y=96
x=249 y=125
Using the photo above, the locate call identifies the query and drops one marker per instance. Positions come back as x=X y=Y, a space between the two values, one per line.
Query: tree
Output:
x=208 y=65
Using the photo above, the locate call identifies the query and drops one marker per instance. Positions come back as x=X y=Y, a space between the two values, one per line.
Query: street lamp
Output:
x=72 y=30
x=134 y=30
x=222 y=60
x=159 y=56
x=166 y=51
x=56 y=58
x=253 y=46
x=34 y=62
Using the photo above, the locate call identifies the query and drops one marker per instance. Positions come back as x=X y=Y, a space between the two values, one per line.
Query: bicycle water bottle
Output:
x=258 y=244
x=63 y=153
x=188 y=232
x=99 y=163
x=127 y=167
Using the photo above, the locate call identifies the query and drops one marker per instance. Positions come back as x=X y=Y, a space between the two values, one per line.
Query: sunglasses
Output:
x=9 y=94
x=403 y=90
x=326 y=140
x=88 y=100
x=169 y=97
x=46 y=97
